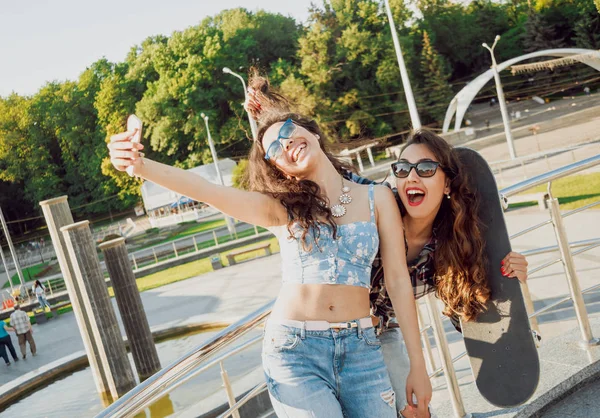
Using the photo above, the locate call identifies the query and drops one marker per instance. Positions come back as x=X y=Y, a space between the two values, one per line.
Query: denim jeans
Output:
x=326 y=374
x=396 y=360
x=43 y=302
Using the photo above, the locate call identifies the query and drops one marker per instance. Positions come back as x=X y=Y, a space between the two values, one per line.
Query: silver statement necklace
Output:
x=339 y=209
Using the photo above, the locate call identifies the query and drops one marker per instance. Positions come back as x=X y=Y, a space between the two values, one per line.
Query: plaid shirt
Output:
x=420 y=270
x=19 y=320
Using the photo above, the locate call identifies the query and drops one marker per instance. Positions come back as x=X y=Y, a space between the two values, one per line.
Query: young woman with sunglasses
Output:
x=442 y=236
x=320 y=352
x=445 y=249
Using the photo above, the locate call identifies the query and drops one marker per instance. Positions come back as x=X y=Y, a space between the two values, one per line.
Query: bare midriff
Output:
x=321 y=302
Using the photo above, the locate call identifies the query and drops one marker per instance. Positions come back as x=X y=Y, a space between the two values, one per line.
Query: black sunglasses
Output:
x=401 y=169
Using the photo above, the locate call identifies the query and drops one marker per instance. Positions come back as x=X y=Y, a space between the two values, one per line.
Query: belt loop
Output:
x=359 y=329
x=303 y=330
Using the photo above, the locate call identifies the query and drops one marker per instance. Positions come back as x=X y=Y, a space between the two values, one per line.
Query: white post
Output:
x=175 y=249
x=134 y=262
x=195 y=243
x=253 y=126
x=215 y=238
x=213 y=152
x=6 y=269
x=255 y=230
x=410 y=99
x=370 y=154
x=360 y=163
x=228 y=389
x=501 y=100
x=12 y=249
x=155 y=257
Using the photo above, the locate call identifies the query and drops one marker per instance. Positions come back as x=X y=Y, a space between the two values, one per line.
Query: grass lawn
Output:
x=59 y=311
x=196 y=228
x=183 y=230
x=194 y=268
x=572 y=192
x=29 y=274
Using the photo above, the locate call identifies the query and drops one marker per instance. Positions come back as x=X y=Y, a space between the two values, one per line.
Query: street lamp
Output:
x=410 y=99
x=213 y=152
x=253 y=126
x=501 y=100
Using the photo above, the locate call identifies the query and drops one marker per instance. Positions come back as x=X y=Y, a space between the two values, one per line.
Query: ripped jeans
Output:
x=326 y=374
x=396 y=360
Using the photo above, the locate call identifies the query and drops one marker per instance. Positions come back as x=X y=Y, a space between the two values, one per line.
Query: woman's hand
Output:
x=418 y=383
x=252 y=103
x=123 y=151
x=514 y=265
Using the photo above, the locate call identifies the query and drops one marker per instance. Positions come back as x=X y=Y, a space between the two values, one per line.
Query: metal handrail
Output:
x=155 y=386
x=550 y=176
x=188 y=366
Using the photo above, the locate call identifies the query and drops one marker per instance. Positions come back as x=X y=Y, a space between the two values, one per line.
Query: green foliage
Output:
x=339 y=67
x=436 y=91
x=239 y=176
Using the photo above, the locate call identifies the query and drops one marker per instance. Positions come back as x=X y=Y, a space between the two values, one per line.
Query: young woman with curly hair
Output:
x=442 y=233
x=321 y=356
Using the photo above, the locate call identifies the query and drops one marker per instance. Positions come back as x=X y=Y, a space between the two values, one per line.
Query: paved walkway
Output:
x=236 y=291
x=227 y=294
x=579 y=404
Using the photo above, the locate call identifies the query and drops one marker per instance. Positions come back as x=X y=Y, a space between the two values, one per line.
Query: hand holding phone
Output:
x=134 y=123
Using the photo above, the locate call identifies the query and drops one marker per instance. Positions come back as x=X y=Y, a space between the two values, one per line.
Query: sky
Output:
x=50 y=40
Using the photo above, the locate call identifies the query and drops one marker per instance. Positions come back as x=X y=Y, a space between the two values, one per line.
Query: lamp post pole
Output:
x=501 y=100
x=253 y=126
x=213 y=152
x=12 y=250
x=410 y=99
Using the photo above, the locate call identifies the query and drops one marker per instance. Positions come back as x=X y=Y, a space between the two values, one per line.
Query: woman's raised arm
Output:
x=399 y=287
x=252 y=207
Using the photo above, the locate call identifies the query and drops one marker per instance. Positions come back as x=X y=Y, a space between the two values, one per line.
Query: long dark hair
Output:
x=302 y=199
x=461 y=281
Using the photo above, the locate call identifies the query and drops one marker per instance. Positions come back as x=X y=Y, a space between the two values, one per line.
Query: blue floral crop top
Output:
x=347 y=259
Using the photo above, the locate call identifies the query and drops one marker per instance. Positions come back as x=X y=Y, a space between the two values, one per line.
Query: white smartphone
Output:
x=133 y=122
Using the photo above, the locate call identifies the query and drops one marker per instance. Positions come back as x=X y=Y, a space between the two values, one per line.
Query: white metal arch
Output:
x=463 y=99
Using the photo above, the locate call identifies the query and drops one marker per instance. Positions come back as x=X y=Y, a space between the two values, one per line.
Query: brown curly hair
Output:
x=306 y=206
x=461 y=281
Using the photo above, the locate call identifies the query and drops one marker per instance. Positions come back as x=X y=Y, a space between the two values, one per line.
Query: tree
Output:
x=587 y=28
x=436 y=93
x=239 y=175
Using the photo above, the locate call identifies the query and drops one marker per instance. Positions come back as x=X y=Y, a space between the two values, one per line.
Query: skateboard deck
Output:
x=499 y=342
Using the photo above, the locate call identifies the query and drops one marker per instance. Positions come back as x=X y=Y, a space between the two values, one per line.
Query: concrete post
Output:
x=131 y=308
x=58 y=214
x=82 y=251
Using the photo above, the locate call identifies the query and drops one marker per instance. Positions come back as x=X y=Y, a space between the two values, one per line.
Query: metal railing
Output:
x=204 y=357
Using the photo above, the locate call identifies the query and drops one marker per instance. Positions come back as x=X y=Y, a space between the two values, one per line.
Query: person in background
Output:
x=19 y=320
x=6 y=341
x=40 y=294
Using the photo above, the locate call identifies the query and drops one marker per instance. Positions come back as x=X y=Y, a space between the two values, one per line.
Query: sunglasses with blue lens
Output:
x=276 y=148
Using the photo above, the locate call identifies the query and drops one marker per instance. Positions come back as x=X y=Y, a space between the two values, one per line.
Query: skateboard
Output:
x=499 y=342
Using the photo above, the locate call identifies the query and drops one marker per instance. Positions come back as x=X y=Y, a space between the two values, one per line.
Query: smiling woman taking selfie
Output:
x=320 y=353
x=442 y=236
